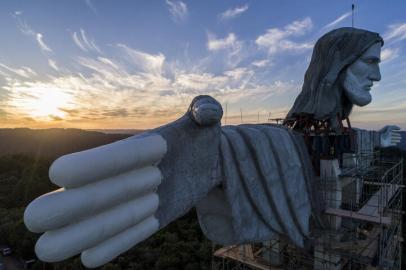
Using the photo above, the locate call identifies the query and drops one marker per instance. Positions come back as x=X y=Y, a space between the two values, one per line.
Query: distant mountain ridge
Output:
x=118 y=131
x=52 y=143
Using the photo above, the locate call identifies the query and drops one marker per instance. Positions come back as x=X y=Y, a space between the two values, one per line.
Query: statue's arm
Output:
x=114 y=196
x=368 y=140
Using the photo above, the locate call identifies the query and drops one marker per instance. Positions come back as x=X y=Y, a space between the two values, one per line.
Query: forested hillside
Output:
x=52 y=143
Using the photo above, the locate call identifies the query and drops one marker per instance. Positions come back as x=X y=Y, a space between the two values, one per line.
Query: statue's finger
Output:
x=396 y=139
x=111 y=248
x=84 y=167
x=57 y=245
x=396 y=135
x=56 y=209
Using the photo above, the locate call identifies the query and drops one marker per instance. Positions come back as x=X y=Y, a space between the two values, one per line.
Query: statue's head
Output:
x=343 y=67
x=359 y=77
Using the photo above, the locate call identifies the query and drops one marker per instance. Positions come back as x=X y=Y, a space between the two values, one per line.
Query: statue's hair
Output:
x=322 y=95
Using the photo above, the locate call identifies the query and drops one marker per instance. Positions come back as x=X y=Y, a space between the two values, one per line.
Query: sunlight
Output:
x=41 y=101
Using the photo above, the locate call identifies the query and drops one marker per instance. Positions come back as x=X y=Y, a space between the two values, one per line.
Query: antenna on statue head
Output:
x=352 y=10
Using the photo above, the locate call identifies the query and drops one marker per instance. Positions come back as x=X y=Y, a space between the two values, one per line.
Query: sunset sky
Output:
x=137 y=64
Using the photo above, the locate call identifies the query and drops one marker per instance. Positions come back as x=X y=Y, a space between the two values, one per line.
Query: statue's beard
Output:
x=356 y=93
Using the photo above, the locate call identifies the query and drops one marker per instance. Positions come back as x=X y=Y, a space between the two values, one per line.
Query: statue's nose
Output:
x=375 y=74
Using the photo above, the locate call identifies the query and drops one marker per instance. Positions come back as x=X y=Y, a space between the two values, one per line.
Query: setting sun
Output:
x=40 y=101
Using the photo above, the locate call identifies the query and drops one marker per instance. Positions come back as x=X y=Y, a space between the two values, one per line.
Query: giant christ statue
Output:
x=249 y=183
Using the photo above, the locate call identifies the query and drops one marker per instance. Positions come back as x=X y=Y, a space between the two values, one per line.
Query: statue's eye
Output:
x=371 y=61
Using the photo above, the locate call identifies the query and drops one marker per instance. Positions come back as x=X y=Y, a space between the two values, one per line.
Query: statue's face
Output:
x=361 y=74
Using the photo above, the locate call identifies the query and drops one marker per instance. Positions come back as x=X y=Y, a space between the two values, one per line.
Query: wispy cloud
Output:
x=53 y=64
x=276 y=40
x=262 y=63
x=389 y=54
x=84 y=43
x=136 y=87
x=233 y=12
x=41 y=43
x=25 y=72
x=214 y=44
x=338 y=20
x=108 y=62
x=91 y=6
x=178 y=10
x=396 y=32
x=144 y=62
x=228 y=51
x=27 y=30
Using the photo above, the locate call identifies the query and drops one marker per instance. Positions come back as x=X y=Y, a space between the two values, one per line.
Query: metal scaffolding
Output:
x=362 y=198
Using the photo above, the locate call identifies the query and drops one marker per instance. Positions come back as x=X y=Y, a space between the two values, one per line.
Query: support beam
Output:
x=358 y=216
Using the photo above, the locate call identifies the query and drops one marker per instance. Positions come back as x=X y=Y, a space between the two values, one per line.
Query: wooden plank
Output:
x=365 y=247
x=371 y=248
x=234 y=253
x=358 y=216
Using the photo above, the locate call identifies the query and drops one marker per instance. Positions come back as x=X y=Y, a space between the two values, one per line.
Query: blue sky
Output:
x=138 y=64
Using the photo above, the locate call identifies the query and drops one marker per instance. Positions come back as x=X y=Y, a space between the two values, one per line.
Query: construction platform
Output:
x=362 y=202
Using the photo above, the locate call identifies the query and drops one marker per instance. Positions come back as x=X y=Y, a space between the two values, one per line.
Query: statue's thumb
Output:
x=205 y=111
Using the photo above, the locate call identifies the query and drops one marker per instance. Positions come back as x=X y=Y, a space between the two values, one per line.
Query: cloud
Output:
x=338 y=20
x=136 y=86
x=233 y=12
x=41 y=43
x=276 y=40
x=389 y=54
x=117 y=112
x=178 y=10
x=228 y=52
x=78 y=42
x=55 y=118
x=53 y=64
x=213 y=44
x=144 y=62
x=261 y=63
x=25 y=72
x=108 y=62
x=396 y=32
x=91 y=6
x=84 y=43
x=27 y=30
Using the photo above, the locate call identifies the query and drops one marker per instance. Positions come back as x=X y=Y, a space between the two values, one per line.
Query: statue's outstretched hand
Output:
x=106 y=204
x=389 y=136
x=114 y=196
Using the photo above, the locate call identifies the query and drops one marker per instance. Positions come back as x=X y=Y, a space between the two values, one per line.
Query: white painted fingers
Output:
x=56 y=209
x=84 y=167
x=108 y=194
x=72 y=239
x=111 y=248
x=395 y=136
x=390 y=136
